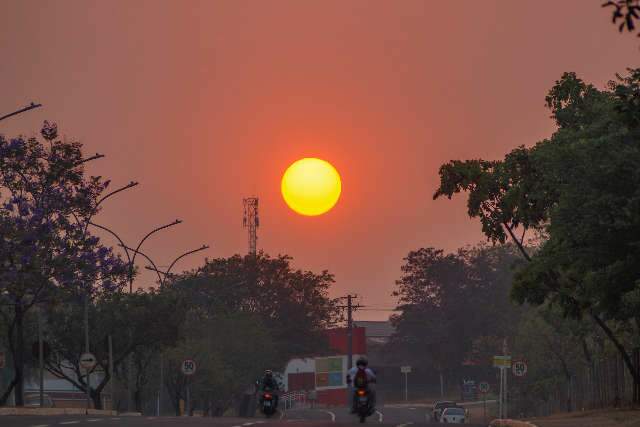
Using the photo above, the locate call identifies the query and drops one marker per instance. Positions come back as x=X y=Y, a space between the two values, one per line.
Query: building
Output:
x=326 y=374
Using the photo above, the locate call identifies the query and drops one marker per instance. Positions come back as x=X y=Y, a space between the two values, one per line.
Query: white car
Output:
x=453 y=416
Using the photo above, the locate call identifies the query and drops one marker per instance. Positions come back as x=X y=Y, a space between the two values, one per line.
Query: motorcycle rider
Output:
x=269 y=384
x=361 y=372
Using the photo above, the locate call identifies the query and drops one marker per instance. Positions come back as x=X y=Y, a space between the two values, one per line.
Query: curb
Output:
x=63 y=411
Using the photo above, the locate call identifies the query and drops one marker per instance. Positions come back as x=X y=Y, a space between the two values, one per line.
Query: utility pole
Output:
x=86 y=345
x=251 y=221
x=41 y=357
x=350 y=307
x=113 y=375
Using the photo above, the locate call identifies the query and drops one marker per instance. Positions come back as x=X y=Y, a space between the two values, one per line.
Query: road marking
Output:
x=380 y=416
x=69 y=422
x=42 y=425
x=332 y=415
x=93 y=419
x=404 y=425
x=248 y=424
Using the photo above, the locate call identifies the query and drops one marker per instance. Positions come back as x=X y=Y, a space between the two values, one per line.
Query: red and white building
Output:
x=326 y=374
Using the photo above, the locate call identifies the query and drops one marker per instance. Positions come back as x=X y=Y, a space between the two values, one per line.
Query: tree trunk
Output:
x=18 y=360
x=96 y=396
x=631 y=366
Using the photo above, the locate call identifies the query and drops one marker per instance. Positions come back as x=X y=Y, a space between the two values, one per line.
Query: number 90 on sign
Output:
x=188 y=367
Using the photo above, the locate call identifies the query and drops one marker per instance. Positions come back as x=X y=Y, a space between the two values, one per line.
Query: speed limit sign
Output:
x=188 y=367
x=519 y=368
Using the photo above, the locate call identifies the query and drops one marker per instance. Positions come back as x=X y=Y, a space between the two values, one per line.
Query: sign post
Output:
x=504 y=364
x=88 y=362
x=188 y=368
x=406 y=370
x=484 y=389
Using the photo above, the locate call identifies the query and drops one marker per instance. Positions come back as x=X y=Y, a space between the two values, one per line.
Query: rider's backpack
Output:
x=360 y=380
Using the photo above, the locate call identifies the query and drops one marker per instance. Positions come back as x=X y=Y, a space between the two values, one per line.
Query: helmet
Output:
x=268 y=372
x=362 y=361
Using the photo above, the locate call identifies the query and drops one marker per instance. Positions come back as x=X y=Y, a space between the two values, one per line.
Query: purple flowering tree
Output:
x=46 y=253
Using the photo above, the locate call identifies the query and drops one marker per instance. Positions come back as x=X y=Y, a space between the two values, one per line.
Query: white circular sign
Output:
x=88 y=361
x=484 y=387
x=519 y=368
x=188 y=367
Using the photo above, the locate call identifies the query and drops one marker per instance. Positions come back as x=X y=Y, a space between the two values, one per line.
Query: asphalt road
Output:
x=400 y=416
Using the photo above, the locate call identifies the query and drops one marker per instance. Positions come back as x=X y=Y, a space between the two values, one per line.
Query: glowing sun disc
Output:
x=311 y=186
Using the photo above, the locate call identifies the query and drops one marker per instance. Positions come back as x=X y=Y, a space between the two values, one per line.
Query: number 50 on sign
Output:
x=519 y=368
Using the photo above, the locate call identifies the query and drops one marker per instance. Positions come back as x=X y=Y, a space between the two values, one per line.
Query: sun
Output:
x=311 y=186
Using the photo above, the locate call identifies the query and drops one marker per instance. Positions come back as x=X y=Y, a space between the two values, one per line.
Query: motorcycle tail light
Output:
x=267 y=396
x=361 y=393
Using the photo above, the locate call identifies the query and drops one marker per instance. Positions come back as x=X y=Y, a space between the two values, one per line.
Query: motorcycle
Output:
x=268 y=404
x=363 y=404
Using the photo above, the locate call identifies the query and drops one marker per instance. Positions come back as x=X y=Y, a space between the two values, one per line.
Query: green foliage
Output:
x=244 y=315
x=140 y=323
x=455 y=307
x=581 y=189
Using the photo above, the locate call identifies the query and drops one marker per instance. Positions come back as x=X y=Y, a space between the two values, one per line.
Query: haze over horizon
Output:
x=208 y=103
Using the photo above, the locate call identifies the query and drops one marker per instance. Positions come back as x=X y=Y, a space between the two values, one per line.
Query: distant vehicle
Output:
x=32 y=400
x=453 y=415
x=439 y=406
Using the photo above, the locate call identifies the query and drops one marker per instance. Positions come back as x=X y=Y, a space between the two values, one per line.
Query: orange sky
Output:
x=208 y=102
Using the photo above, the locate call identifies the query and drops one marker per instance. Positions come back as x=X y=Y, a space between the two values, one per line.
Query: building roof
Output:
x=376 y=329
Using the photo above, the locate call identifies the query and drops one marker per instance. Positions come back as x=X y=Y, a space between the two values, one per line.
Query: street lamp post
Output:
x=87 y=347
x=131 y=258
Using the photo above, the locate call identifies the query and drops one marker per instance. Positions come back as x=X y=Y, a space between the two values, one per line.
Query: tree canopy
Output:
x=579 y=190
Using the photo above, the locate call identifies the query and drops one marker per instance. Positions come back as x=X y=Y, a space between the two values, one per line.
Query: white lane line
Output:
x=69 y=422
x=332 y=415
x=404 y=425
x=380 y=416
x=248 y=424
x=41 y=425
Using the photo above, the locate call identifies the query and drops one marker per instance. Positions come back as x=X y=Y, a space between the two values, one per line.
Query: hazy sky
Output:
x=208 y=102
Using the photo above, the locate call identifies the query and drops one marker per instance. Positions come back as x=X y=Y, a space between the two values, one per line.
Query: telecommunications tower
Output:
x=251 y=221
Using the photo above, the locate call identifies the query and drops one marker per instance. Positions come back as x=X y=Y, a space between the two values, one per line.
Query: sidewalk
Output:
x=604 y=418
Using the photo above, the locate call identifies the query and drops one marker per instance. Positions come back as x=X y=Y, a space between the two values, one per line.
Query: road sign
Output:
x=519 y=368
x=405 y=369
x=2 y=359
x=87 y=361
x=502 y=362
x=484 y=387
x=188 y=367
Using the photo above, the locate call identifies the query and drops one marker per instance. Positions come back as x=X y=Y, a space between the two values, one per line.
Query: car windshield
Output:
x=453 y=411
